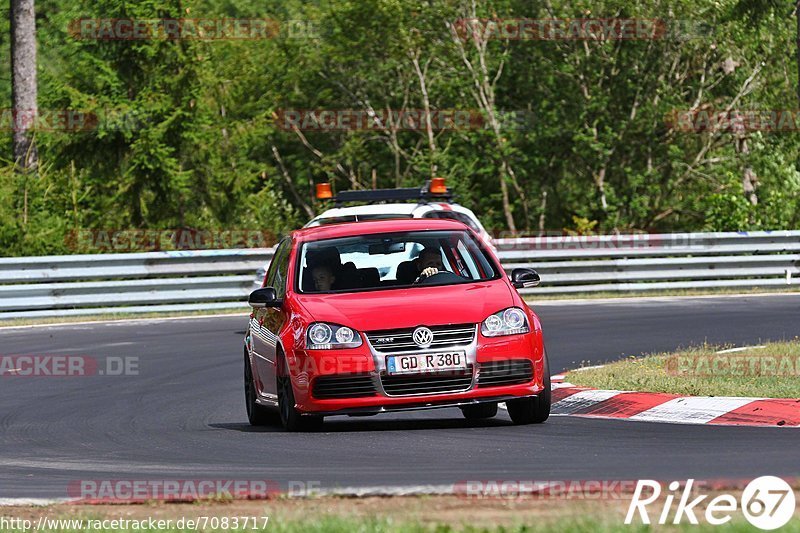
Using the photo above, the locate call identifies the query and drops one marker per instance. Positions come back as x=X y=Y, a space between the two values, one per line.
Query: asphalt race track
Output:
x=183 y=416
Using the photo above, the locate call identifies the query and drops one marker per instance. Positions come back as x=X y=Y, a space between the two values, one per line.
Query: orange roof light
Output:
x=438 y=186
x=324 y=191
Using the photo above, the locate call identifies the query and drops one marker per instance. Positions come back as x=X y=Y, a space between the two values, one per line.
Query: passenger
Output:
x=323 y=277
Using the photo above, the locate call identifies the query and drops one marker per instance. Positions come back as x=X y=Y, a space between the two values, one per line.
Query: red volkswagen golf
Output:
x=372 y=317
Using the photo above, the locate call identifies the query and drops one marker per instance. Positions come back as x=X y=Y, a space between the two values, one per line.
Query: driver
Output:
x=429 y=263
x=323 y=277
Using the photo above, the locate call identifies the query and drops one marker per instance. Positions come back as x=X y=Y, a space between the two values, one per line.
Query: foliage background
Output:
x=189 y=137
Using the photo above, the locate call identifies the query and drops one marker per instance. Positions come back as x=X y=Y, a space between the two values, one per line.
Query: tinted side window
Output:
x=282 y=269
x=276 y=275
x=452 y=215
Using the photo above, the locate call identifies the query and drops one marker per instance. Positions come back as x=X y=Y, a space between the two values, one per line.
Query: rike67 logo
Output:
x=767 y=502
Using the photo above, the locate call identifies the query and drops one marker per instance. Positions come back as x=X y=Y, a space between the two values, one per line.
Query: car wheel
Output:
x=536 y=409
x=291 y=418
x=479 y=411
x=257 y=415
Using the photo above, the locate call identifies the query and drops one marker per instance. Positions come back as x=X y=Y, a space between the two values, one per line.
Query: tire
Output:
x=291 y=419
x=536 y=409
x=257 y=415
x=479 y=411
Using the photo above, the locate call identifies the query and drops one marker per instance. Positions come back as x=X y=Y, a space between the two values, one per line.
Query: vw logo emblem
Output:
x=423 y=337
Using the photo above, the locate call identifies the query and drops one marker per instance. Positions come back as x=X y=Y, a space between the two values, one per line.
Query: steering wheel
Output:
x=439 y=277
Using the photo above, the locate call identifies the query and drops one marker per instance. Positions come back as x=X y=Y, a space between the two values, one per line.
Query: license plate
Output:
x=426 y=362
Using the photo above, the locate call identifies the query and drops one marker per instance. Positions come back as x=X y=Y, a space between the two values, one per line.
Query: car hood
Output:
x=405 y=308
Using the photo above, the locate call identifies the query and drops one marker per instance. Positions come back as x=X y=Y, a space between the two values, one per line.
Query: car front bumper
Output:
x=369 y=365
x=418 y=405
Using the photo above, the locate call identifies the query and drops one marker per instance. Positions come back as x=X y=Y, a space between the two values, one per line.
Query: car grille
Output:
x=430 y=383
x=508 y=372
x=400 y=340
x=343 y=386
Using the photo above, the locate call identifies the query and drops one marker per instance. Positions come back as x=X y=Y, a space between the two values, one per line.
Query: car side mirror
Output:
x=264 y=297
x=524 y=278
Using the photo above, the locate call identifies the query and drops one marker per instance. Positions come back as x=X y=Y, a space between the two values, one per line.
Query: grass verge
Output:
x=771 y=371
x=415 y=514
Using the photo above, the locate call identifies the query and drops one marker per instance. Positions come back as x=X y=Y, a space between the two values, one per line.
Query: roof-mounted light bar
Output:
x=433 y=189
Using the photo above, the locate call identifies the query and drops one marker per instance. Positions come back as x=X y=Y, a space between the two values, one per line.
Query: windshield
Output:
x=385 y=261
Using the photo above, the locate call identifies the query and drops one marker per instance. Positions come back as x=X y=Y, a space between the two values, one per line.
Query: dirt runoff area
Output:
x=481 y=510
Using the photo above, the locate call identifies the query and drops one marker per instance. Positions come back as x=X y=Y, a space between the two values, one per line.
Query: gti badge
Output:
x=423 y=337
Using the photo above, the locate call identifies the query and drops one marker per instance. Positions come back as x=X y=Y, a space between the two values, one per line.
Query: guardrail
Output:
x=221 y=279
x=644 y=262
x=127 y=283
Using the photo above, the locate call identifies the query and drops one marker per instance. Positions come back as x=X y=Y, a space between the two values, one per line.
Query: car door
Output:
x=266 y=323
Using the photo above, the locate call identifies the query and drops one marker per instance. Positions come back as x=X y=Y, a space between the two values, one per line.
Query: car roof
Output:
x=371 y=209
x=350 y=229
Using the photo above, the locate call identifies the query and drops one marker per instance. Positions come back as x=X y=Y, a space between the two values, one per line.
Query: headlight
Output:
x=511 y=321
x=322 y=336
